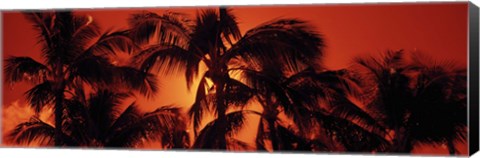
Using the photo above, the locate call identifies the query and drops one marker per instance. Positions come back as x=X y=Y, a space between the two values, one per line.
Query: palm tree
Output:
x=310 y=97
x=102 y=122
x=214 y=40
x=74 y=51
x=421 y=101
x=442 y=87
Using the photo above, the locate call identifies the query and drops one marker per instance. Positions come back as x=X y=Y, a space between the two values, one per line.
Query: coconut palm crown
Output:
x=213 y=39
x=74 y=52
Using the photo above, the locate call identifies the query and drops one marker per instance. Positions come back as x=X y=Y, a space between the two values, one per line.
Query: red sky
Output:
x=437 y=29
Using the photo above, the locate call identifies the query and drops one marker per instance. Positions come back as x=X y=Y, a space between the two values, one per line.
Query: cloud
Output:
x=16 y=113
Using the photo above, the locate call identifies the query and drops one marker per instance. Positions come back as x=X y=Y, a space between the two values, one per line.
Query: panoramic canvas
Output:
x=350 y=78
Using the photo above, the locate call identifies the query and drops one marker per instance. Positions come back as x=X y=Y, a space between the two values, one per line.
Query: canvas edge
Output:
x=473 y=87
x=1 y=76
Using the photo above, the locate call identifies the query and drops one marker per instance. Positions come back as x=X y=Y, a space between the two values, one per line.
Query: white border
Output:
x=6 y=5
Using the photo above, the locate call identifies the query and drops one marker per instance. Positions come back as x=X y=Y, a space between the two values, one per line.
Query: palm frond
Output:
x=18 y=69
x=351 y=136
x=166 y=118
x=94 y=70
x=112 y=42
x=238 y=145
x=291 y=141
x=133 y=79
x=78 y=123
x=294 y=101
x=85 y=30
x=180 y=139
x=43 y=23
x=206 y=33
x=192 y=70
x=170 y=28
x=41 y=95
x=127 y=117
x=122 y=133
x=31 y=131
x=381 y=67
x=340 y=82
x=289 y=41
x=99 y=72
x=167 y=58
x=201 y=105
x=237 y=93
x=209 y=138
x=165 y=121
x=79 y=91
x=160 y=124
x=346 y=109
x=405 y=91
x=103 y=107
x=66 y=48
x=388 y=86
x=344 y=89
x=229 y=25
x=298 y=112
x=259 y=81
x=444 y=90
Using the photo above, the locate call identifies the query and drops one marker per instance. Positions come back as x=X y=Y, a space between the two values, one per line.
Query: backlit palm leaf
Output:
x=131 y=78
x=291 y=40
x=214 y=40
x=171 y=58
x=405 y=92
x=113 y=42
x=33 y=130
x=94 y=70
x=18 y=69
x=208 y=137
x=352 y=136
x=74 y=50
x=201 y=105
x=41 y=95
x=85 y=31
x=160 y=124
x=172 y=28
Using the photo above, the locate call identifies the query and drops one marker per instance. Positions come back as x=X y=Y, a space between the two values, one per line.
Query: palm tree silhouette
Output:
x=102 y=122
x=214 y=40
x=306 y=97
x=74 y=51
x=421 y=101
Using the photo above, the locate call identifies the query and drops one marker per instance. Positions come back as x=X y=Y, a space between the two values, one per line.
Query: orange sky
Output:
x=349 y=30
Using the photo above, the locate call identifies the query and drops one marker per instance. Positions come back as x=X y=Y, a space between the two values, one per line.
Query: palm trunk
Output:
x=401 y=142
x=179 y=140
x=451 y=147
x=221 y=109
x=58 y=119
x=271 y=114
x=273 y=134
x=59 y=95
x=59 y=78
x=397 y=145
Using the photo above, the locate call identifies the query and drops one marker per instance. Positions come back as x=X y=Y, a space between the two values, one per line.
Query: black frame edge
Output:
x=473 y=34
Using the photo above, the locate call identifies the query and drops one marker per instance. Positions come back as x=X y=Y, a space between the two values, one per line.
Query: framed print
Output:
x=373 y=79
